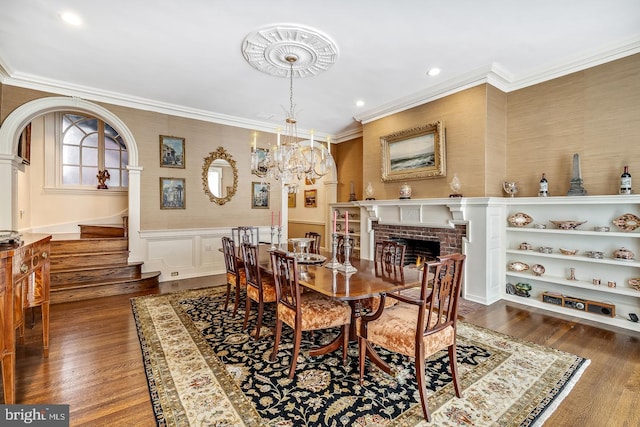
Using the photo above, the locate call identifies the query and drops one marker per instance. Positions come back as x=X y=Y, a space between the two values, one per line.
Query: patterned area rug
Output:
x=204 y=369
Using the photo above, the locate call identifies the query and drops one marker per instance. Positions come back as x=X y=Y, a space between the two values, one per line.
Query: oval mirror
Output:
x=219 y=176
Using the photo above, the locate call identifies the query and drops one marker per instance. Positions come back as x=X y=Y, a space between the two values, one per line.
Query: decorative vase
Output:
x=405 y=191
x=368 y=192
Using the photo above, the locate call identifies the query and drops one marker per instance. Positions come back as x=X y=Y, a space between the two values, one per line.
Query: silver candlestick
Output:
x=273 y=240
x=334 y=252
x=279 y=237
x=347 y=267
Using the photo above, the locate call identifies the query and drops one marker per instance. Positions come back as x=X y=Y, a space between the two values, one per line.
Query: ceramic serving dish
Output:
x=564 y=251
x=624 y=254
x=518 y=266
x=545 y=249
x=524 y=246
x=627 y=222
x=567 y=225
x=519 y=219
x=601 y=229
x=595 y=254
x=537 y=269
x=635 y=283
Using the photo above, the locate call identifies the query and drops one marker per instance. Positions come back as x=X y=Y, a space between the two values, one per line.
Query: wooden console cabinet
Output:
x=24 y=283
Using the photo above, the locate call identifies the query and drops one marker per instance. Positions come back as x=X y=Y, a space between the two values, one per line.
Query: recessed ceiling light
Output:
x=359 y=103
x=71 y=18
x=433 y=72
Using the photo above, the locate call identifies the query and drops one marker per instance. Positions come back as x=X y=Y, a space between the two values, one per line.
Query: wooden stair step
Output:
x=101 y=231
x=95 y=273
x=78 y=292
x=85 y=246
x=87 y=260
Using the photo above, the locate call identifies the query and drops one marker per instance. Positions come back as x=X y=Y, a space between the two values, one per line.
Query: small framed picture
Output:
x=310 y=198
x=292 y=199
x=259 y=195
x=171 y=152
x=172 y=193
x=24 y=145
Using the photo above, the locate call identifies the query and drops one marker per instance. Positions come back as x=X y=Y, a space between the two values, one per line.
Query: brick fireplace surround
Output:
x=450 y=240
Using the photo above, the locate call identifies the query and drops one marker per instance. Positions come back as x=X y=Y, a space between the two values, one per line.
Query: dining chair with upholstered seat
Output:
x=419 y=327
x=259 y=289
x=314 y=247
x=236 y=276
x=388 y=263
x=304 y=311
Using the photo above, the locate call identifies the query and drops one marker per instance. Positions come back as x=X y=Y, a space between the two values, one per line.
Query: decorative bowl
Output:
x=595 y=254
x=627 y=222
x=567 y=225
x=524 y=246
x=624 y=254
x=537 y=269
x=564 y=251
x=518 y=266
x=545 y=249
x=519 y=219
x=635 y=284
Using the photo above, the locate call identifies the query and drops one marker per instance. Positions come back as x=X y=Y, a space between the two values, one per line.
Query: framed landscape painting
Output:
x=172 y=193
x=415 y=153
x=171 y=152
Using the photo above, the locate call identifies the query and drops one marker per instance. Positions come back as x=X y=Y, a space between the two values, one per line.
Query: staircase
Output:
x=96 y=265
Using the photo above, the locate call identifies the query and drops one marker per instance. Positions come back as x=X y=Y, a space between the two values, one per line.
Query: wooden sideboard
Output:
x=24 y=283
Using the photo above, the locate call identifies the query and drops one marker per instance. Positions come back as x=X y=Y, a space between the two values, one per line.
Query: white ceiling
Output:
x=185 y=58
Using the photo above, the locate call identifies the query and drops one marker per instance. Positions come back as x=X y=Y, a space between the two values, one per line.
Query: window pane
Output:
x=91 y=140
x=125 y=178
x=89 y=125
x=114 y=181
x=125 y=159
x=110 y=144
x=73 y=136
x=71 y=175
x=111 y=159
x=89 y=176
x=89 y=156
x=70 y=155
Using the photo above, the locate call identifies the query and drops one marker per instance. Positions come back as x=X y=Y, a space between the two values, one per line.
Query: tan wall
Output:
x=595 y=113
x=201 y=138
x=348 y=156
x=464 y=117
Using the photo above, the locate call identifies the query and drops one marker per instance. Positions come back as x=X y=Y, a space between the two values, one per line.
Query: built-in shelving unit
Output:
x=597 y=211
x=353 y=212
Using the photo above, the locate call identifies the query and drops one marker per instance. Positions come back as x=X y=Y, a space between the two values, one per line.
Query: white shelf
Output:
x=610 y=261
x=633 y=235
x=618 y=321
x=620 y=290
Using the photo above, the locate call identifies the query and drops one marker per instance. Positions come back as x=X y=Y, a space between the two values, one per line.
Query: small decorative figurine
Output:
x=576 y=180
x=103 y=176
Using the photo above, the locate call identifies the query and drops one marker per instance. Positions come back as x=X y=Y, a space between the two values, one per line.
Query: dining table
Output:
x=366 y=282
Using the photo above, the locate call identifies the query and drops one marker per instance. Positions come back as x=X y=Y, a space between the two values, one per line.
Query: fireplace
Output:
x=425 y=242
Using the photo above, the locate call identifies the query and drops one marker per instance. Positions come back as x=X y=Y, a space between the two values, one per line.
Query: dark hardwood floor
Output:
x=95 y=363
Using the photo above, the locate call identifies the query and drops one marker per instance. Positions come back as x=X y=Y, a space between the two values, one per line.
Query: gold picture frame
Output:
x=291 y=199
x=310 y=198
x=172 y=152
x=416 y=153
x=172 y=193
x=259 y=195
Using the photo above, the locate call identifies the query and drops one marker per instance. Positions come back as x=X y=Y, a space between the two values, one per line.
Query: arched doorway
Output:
x=9 y=161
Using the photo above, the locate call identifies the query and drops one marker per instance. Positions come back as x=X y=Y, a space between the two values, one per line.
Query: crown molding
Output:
x=500 y=78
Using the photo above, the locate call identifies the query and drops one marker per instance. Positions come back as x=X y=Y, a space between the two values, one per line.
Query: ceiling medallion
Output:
x=267 y=50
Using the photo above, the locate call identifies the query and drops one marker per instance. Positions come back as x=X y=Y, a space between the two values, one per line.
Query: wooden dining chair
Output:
x=314 y=248
x=259 y=289
x=236 y=276
x=245 y=234
x=304 y=311
x=419 y=327
x=389 y=264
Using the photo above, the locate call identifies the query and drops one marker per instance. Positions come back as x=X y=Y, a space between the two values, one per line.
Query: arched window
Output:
x=88 y=145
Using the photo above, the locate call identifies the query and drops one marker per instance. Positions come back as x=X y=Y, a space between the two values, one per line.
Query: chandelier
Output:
x=289 y=161
x=276 y=50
